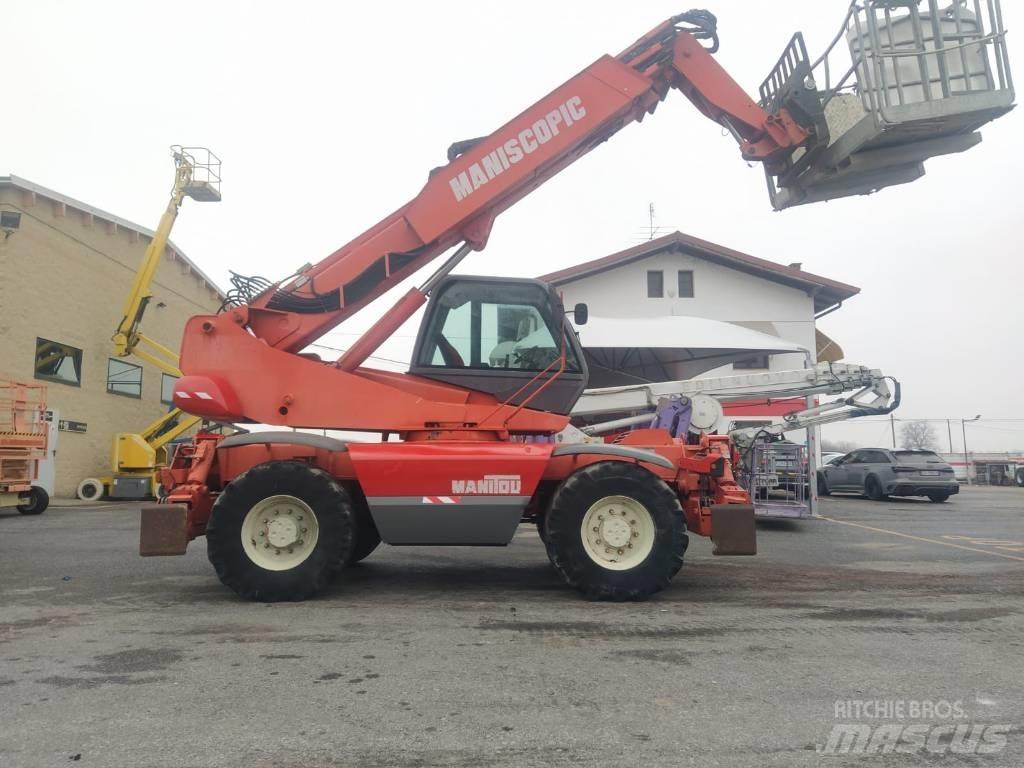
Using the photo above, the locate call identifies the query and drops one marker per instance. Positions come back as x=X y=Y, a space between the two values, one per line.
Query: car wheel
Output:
x=36 y=503
x=873 y=489
x=823 y=486
x=938 y=498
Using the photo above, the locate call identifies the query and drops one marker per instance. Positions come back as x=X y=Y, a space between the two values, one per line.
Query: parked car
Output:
x=829 y=457
x=880 y=472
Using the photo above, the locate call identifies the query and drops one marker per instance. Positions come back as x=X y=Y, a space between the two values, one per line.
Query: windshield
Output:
x=918 y=456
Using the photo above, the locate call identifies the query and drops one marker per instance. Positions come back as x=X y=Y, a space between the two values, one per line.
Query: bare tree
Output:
x=918 y=436
x=838 y=446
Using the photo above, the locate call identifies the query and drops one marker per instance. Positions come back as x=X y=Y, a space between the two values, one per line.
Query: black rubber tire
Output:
x=38 y=501
x=823 y=486
x=873 y=489
x=564 y=541
x=367 y=535
x=335 y=544
x=938 y=498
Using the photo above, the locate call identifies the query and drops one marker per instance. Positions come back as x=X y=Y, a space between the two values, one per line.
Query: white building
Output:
x=683 y=275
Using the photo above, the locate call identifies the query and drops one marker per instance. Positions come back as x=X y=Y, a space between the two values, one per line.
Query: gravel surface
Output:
x=481 y=657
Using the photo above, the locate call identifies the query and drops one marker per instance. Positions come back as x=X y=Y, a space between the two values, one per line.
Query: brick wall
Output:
x=65 y=275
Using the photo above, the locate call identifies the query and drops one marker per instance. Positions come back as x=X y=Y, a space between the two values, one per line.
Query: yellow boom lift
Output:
x=136 y=457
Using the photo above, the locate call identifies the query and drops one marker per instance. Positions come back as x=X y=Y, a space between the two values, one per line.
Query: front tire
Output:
x=37 y=502
x=615 y=531
x=873 y=489
x=823 y=486
x=938 y=498
x=281 y=531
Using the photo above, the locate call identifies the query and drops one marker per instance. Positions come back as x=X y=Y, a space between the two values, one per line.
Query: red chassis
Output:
x=700 y=474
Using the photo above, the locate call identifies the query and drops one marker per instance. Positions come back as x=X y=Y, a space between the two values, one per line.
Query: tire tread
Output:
x=564 y=544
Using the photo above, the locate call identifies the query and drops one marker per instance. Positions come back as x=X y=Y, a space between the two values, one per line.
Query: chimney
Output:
x=796 y=265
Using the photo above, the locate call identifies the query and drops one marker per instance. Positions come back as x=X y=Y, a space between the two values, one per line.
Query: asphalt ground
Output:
x=481 y=657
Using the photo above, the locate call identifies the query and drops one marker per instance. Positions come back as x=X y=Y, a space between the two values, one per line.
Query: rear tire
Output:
x=641 y=520
x=294 y=557
x=541 y=531
x=823 y=486
x=873 y=489
x=38 y=501
x=367 y=535
x=938 y=498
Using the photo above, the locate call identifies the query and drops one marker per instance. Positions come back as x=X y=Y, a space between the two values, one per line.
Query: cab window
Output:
x=492 y=326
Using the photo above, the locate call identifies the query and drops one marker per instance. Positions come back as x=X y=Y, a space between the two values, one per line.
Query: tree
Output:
x=838 y=446
x=918 y=436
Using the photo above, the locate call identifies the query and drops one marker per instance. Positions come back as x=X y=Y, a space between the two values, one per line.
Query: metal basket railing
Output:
x=901 y=52
x=204 y=184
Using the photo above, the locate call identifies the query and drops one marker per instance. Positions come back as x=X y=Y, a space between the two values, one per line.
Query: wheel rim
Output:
x=618 y=533
x=280 y=532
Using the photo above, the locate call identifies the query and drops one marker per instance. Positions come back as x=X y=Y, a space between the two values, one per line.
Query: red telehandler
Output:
x=495 y=371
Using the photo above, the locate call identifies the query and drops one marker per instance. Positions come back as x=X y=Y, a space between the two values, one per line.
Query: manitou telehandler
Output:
x=284 y=512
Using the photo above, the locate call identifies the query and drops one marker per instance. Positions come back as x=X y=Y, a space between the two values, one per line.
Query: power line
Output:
x=373 y=357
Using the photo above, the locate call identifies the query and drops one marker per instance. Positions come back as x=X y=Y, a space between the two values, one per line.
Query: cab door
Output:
x=502 y=336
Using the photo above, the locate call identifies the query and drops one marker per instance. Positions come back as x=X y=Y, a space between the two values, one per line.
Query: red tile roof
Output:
x=826 y=292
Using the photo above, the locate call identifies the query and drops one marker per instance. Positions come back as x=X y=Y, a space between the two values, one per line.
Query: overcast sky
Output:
x=328 y=116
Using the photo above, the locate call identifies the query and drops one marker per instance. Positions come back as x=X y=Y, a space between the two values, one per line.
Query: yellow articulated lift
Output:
x=136 y=457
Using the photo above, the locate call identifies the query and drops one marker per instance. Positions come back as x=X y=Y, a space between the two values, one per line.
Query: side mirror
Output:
x=580 y=313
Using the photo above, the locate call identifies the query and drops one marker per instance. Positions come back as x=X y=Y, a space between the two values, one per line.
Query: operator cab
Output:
x=497 y=335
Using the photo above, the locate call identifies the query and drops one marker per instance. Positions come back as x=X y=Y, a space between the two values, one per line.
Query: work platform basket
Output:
x=903 y=81
x=204 y=172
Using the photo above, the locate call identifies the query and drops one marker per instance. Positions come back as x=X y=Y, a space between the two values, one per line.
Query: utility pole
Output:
x=949 y=432
x=650 y=217
x=967 y=458
x=892 y=426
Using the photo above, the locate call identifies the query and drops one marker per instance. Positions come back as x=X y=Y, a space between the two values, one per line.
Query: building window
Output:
x=685 y=284
x=10 y=219
x=124 y=378
x=167 y=388
x=58 y=362
x=752 y=363
x=655 y=284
